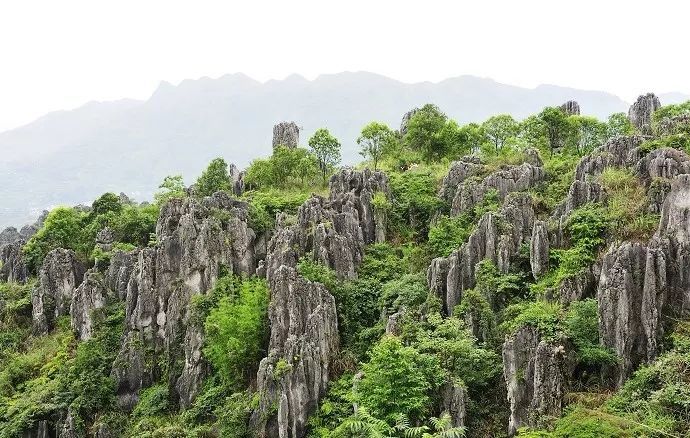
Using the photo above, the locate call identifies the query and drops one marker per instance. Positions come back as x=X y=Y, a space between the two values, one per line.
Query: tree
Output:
x=423 y=132
x=106 y=203
x=397 y=380
x=61 y=229
x=326 y=148
x=590 y=133
x=557 y=126
x=215 y=178
x=619 y=124
x=474 y=136
x=375 y=139
x=171 y=187
x=499 y=128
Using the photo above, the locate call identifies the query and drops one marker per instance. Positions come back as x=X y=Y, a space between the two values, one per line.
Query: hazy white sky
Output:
x=61 y=54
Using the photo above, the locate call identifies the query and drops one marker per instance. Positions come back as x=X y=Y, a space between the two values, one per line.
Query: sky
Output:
x=61 y=54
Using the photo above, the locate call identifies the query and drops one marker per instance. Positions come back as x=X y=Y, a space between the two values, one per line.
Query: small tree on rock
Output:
x=375 y=139
x=327 y=150
x=215 y=178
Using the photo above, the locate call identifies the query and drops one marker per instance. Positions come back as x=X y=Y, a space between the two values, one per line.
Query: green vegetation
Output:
x=375 y=140
x=326 y=148
x=214 y=179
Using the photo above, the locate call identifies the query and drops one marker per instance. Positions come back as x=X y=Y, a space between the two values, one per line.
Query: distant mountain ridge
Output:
x=68 y=157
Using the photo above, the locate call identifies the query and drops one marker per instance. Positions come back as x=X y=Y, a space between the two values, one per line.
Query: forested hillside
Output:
x=522 y=278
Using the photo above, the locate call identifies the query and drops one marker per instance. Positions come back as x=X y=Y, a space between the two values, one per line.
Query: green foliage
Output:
x=315 y=271
x=424 y=132
x=326 y=148
x=15 y=316
x=448 y=233
x=560 y=173
x=214 y=179
x=582 y=327
x=557 y=125
x=619 y=124
x=61 y=229
x=274 y=201
x=286 y=167
x=382 y=262
x=499 y=289
x=626 y=205
x=499 y=129
x=542 y=315
x=153 y=401
x=475 y=307
x=589 y=133
x=397 y=380
x=406 y=292
x=414 y=203
x=376 y=140
x=171 y=187
x=235 y=331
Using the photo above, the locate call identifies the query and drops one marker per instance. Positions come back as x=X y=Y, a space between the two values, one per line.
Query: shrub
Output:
x=235 y=331
x=414 y=203
x=582 y=327
x=542 y=315
x=448 y=233
x=214 y=179
x=408 y=291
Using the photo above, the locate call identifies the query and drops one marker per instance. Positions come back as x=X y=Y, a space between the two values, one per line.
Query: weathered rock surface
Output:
x=236 y=179
x=498 y=237
x=461 y=170
x=119 y=272
x=197 y=239
x=534 y=374
x=539 y=249
x=454 y=400
x=616 y=152
x=662 y=163
x=304 y=342
x=302 y=314
x=571 y=107
x=286 y=134
x=60 y=274
x=504 y=181
x=640 y=113
x=12 y=263
x=90 y=296
x=9 y=235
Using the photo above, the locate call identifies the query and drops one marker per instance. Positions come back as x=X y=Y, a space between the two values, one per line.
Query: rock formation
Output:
x=454 y=402
x=196 y=240
x=640 y=113
x=285 y=134
x=60 y=274
x=467 y=167
x=498 y=237
x=510 y=179
x=302 y=314
x=571 y=107
x=12 y=263
x=405 y=120
x=539 y=249
x=534 y=374
x=90 y=296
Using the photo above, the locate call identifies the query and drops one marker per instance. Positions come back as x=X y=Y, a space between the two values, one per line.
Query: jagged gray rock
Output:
x=119 y=272
x=467 y=167
x=197 y=239
x=236 y=179
x=304 y=342
x=60 y=274
x=619 y=296
x=12 y=263
x=454 y=400
x=358 y=188
x=662 y=163
x=534 y=374
x=498 y=237
x=504 y=181
x=90 y=296
x=105 y=239
x=40 y=430
x=640 y=113
x=285 y=134
x=571 y=107
x=539 y=249
x=616 y=152
x=9 y=235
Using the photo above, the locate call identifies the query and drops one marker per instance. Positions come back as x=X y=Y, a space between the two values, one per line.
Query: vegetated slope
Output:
x=509 y=278
x=71 y=157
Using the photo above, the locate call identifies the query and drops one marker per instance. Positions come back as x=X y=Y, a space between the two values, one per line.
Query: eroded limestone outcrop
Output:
x=498 y=237
x=13 y=266
x=534 y=374
x=302 y=314
x=285 y=134
x=640 y=113
x=197 y=240
x=60 y=275
x=571 y=107
x=90 y=296
x=539 y=249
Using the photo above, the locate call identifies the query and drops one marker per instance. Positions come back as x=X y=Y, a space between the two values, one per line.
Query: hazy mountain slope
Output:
x=73 y=156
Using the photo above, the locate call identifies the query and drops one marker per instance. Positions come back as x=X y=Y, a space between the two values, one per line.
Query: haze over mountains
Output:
x=71 y=157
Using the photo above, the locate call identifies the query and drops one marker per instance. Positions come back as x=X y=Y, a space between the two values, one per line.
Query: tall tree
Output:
x=423 y=132
x=215 y=178
x=375 y=139
x=557 y=125
x=499 y=128
x=326 y=148
x=590 y=133
x=474 y=136
x=619 y=124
